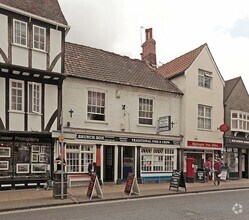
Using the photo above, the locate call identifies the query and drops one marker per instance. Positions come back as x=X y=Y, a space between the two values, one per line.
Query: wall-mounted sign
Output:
x=164 y=123
x=204 y=144
x=126 y=139
x=224 y=127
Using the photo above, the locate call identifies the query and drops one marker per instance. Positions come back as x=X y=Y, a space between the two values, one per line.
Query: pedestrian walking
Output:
x=217 y=171
x=208 y=166
x=91 y=168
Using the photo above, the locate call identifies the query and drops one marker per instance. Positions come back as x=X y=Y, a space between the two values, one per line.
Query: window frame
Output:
x=32 y=97
x=97 y=104
x=144 y=112
x=15 y=41
x=204 y=117
x=16 y=96
x=239 y=121
x=86 y=154
x=207 y=79
x=39 y=36
x=159 y=160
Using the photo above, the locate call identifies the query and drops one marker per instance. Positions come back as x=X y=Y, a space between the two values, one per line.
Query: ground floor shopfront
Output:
x=194 y=156
x=235 y=157
x=150 y=157
x=25 y=159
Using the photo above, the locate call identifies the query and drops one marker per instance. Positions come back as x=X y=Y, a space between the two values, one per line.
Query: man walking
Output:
x=217 y=170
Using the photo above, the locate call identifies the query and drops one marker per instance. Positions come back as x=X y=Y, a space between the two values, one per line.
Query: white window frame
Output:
x=16 y=96
x=205 y=79
x=145 y=111
x=157 y=159
x=85 y=154
x=96 y=105
x=17 y=39
x=34 y=97
x=239 y=121
x=39 y=35
x=205 y=118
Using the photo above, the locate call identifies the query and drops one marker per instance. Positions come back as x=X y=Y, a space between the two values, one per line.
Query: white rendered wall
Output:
x=4 y=35
x=51 y=100
x=75 y=97
x=2 y=99
x=19 y=55
x=194 y=95
x=55 y=48
x=16 y=121
x=39 y=60
x=34 y=122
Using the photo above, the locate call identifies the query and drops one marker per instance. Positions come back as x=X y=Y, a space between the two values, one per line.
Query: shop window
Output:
x=157 y=160
x=78 y=157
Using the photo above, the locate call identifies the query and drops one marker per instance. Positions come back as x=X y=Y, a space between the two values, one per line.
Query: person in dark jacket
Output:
x=91 y=168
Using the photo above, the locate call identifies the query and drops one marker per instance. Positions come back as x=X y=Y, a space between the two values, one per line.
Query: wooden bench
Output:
x=77 y=178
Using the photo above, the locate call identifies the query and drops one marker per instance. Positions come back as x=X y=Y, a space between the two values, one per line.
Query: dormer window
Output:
x=20 y=33
x=39 y=34
x=205 y=79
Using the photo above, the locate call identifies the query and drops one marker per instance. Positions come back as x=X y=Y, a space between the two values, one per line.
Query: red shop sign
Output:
x=224 y=127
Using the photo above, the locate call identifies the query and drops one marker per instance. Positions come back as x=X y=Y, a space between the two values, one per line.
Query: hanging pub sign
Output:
x=164 y=123
x=131 y=186
x=177 y=180
x=94 y=185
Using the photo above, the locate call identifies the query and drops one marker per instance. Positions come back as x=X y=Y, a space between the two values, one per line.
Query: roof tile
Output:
x=180 y=64
x=49 y=9
x=96 y=64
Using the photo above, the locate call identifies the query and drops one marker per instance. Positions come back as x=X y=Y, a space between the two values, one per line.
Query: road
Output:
x=233 y=204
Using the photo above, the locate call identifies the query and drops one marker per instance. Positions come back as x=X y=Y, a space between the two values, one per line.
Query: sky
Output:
x=179 y=26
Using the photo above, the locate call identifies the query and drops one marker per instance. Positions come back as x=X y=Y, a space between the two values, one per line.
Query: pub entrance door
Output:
x=108 y=163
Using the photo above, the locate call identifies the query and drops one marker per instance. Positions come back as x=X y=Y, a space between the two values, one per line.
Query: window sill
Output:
x=20 y=45
x=17 y=112
x=200 y=129
x=96 y=122
x=38 y=50
x=148 y=126
x=34 y=113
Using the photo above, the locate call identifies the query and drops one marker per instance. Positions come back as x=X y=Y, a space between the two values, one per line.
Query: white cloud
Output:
x=178 y=27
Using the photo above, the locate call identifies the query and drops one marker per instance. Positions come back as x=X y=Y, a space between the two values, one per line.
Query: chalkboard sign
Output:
x=200 y=176
x=129 y=183
x=177 y=180
x=91 y=186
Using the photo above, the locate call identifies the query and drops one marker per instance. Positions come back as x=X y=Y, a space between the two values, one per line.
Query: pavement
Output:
x=37 y=198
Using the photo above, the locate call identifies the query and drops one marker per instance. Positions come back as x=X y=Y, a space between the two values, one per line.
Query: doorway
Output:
x=108 y=163
x=128 y=161
x=244 y=167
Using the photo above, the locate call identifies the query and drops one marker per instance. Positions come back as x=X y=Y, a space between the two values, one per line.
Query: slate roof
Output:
x=96 y=64
x=49 y=9
x=229 y=86
x=180 y=64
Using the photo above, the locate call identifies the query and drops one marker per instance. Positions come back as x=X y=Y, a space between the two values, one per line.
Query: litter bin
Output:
x=57 y=185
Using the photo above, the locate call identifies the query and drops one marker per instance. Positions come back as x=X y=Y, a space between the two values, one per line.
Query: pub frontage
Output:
x=25 y=159
x=150 y=157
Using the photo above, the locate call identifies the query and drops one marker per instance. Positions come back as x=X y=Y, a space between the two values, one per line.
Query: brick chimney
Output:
x=149 y=48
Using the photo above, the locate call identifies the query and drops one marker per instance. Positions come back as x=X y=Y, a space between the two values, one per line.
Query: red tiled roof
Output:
x=49 y=9
x=96 y=64
x=180 y=64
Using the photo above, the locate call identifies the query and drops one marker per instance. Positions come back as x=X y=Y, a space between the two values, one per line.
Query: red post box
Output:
x=190 y=172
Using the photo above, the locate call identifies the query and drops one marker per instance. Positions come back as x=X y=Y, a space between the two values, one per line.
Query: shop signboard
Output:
x=131 y=186
x=94 y=185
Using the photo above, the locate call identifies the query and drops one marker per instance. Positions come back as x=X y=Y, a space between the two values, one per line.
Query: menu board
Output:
x=200 y=176
x=177 y=180
x=91 y=186
x=129 y=183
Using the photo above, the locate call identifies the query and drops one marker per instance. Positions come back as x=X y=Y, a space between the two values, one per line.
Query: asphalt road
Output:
x=210 y=205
